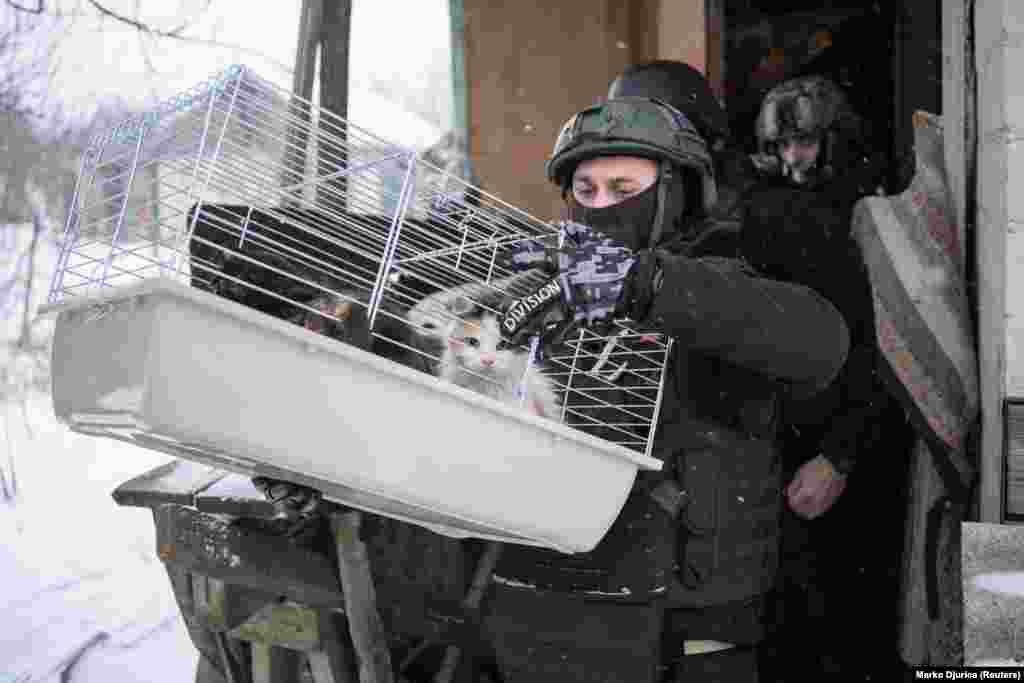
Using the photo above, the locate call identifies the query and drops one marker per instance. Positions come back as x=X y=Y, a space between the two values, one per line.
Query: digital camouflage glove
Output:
x=588 y=271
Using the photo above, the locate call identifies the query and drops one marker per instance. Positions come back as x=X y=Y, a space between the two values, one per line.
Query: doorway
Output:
x=888 y=65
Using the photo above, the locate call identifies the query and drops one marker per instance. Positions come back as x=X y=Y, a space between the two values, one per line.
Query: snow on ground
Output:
x=993 y=555
x=84 y=598
x=81 y=582
x=78 y=570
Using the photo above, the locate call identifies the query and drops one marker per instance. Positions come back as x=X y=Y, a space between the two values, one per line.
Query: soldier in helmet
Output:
x=814 y=164
x=674 y=591
x=807 y=133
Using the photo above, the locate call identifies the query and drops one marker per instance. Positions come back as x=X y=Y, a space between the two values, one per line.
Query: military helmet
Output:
x=808 y=107
x=681 y=86
x=633 y=126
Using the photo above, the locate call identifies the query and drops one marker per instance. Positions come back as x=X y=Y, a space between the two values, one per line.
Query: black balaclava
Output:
x=642 y=221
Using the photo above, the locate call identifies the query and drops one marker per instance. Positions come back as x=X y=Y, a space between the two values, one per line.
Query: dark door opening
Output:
x=836 y=608
x=888 y=65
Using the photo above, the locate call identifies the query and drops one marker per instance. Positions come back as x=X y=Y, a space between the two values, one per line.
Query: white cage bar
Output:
x=241 y=191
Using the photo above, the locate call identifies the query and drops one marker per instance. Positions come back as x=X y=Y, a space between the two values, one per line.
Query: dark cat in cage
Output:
x=284 y=261
x=344 y=316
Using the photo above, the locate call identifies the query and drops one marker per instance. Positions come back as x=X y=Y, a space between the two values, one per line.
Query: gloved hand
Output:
x=291 y=501
x=641 y=286
x=534 y=254
x=589 y=272
x=543 y=313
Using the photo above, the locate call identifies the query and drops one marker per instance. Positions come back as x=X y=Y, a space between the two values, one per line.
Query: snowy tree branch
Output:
x=39 y=8
x=38 y=226
x=107 y=13
x=145 y=28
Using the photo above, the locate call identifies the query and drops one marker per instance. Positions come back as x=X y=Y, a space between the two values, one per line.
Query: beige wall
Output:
x=681 y=32
x=530 y=65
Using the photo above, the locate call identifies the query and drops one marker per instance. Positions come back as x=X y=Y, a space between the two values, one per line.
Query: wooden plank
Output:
x=192 y=594
x=274 y=664
x=213 y=546
x=335 y=661
x=234 y=495
x=175 y=482
x=305 y=55
x=460 y=88
x=643 y=31
x=235 y=670
x=481 y=580
x=1015 y=459
x=207 y=673
x=335 y=37
x=364 y=624
x=1014 y=312
x=288 y=625
x=221 y=607
x=202 y=638
x=302 y=86
x=714 y=37
x=954 y=103
x=992 y=217
x=924 y=641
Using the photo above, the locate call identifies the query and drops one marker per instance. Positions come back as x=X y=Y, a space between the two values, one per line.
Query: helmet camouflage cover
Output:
x=681 y=86
x=633 y=126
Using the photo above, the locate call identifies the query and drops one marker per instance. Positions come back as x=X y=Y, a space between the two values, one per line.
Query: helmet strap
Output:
x=664 y=180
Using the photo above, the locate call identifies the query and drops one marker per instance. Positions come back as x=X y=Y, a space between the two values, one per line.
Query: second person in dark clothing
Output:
x=847 y=451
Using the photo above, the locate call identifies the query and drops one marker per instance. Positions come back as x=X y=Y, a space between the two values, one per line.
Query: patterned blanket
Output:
x=913 y=254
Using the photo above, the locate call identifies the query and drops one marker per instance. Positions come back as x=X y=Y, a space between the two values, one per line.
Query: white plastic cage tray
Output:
x=180 y=370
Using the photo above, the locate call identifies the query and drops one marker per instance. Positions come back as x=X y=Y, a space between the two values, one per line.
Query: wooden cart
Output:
x=261 y=607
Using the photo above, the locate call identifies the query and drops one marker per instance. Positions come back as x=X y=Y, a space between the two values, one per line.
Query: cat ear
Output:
x=462 y=305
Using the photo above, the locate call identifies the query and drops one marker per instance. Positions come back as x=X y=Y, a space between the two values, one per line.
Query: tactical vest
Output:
x=716 y=439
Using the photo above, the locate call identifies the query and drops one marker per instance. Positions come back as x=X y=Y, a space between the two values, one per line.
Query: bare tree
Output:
x=102 y=16
x=61 y=10
x=26 y=57
x=37 y=164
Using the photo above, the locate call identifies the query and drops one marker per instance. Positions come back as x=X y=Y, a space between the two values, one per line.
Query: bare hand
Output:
x=815 y=488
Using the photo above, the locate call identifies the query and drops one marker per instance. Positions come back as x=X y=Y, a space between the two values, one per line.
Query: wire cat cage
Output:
x=251 y=281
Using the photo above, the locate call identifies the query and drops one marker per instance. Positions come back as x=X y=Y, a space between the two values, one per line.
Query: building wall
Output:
x=681 y=32
x=1004 y=135
x=999 y=50
x=530 y=65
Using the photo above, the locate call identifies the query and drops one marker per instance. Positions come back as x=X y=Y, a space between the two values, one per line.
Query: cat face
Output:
x=477 y=346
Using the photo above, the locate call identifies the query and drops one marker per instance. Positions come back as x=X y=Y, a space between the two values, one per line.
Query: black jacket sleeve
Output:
x=841 y=422
x=804 y=237
x=720 y=307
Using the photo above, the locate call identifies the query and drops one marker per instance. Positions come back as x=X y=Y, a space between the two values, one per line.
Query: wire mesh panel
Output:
x=250 y=193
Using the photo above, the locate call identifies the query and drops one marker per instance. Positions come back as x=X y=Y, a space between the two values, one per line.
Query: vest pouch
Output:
x=632 y=563
x=699 y=524
x=729 y=526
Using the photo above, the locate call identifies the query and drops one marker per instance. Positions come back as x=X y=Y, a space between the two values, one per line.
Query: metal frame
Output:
x=304 y=250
